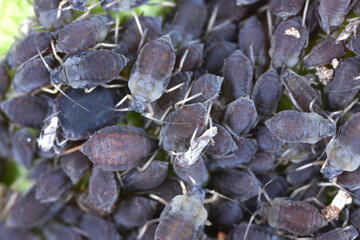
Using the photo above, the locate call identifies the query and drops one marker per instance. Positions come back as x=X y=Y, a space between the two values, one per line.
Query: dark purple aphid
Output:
x=134 y=212
x=312 y=16
x=274 y=185
x=224 y=214
x=5 y=139
x=152 y=72
x=300 y=177
x=32 y=75
x=91 y=112
x=121 y=5
x=324 y=52
x=238 y=184
x=194 y=174
x=116 y=148
x=238 y=75
x=267 y=93
x=254 y=43
x=75 y=165
x=27 y=111
x=70 y=214
x=194 y=57
x=343 y=88
x=26 y=48
x=183 y=217
x=332 y=13
x=46 y=12
x=255 y=232
x=181 y=126
x=354 y=43
x=4 y=78
x=168 y=189
x=81 y=35
x=267 y=141
x=355 y=218
x=89 y=69
x=216 y=53
x=297 y=217
x=223 y=31
x=228 y=10
x=103 y=189
x=15 y=233
x=240 y=115
x=208 y=85
x=151 y=177
x=27 y=212
x=224 y=143
x=287 y=42
x=57 y=231
x=188 y=21
x=286 y=8
x=262 y=162
x=40 y=169
x=293 y=127
x=345 y=233
x=52 y=185
x=98 y=229
x=23 y=147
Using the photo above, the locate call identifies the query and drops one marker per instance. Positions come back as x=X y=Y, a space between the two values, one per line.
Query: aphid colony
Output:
x=226 y=119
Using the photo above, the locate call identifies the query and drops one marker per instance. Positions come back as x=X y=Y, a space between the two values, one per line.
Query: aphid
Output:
x=343 y=154
x=81 y=35
x=299 y=177
x=254 y=43
x=238 y=184
x=267 y=141
x=297 y=217
x=188 y=21
x=240 y=115
x=4 y=78
x=267 y=93
x=151 y=177
x=134 y=212
x=87 y=112
x=103 y=189
x=27 y=111
x=97 y=228
x=216 y=53
x=208 y=85
x=194 y=57
x=70 y=214
x=312 y=16
x=224 y=143
x=342 y=90
x=89 y=69
x=181 y=125
x=75 y=165
x=26 y=48
x=167 y=190
x=56 y=231
x=254 y=232
x=320 y=54
x=223 y=31
x=274 y=185
x=15 y=233
x=238 y=76
x=345 y=233
x=293 y=127
x=5 y=139
x=23 y=147
x=285 y=49
x=52 y=185
x=224 y=214
x=183 y=217
x=229 y=10
x=286 y=8
x=46 y=12
x=332 y=13
x=262 y=162
x=332 y=211
x=27 y=212
x=40 y=169
x=121 y=5
x=301 y=93
x=116 y=148
x=192 y=174
x=152 y=72
x=349 y=180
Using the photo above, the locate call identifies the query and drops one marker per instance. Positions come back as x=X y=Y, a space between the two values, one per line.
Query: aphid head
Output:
x=197 y=191
x=55 y=76
x=327 y=128
x=137 y=106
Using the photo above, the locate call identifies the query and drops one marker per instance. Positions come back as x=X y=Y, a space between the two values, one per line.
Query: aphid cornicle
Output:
x=151 y=73
x=294 y=127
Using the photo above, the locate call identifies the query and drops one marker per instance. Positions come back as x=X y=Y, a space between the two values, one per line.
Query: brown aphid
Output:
x=180 y=126
x=297 y=217
x=208 y=85
x=75 y=165
x=104 y=189
x=52 y=185
x=324 y=52
x=151 y=177
x=152 y=72
x=32 y=75
x=84 y=34
x=286 y=8
x=349 y=180
x=23 y=147
x=293 y=127
x=238 y=75
x=224 y=142
x=194 y=57
x=216 y=53
x=345 y=233
x=4 y=78
x=26 y=48
x=240 y=115
x=27 y=111
x=116 y=148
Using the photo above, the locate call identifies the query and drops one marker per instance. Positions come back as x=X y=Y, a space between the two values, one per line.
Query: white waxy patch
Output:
x=48 y=135
x=292 y=32
x=332 y=211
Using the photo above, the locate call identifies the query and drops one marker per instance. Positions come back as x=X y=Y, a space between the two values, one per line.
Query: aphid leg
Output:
x=138 y=24
x=188 y=99
x=300 y=189
x=117 y=23
x=252 y=58
x=9 y=203
x=55 y=54
x=128 y=96
x=122 y=78
x=347 y=216
x=292 y=98
x=71 y=150
x=183 y=188
x=305 y=12
x=88 y=11
x=89 y=90
x=309 y=165
x=183 y=58
x=315 y=200
x=143 y=229
x=269 y=22
x=212 y=19
x=311 y=106
x=165 y=4
x=61 y=4
x=208 y=117
x=231 y=131
x=151 y=110
x=105 y=85
x=347 y=108
x=148 y=162
x=159 y=199
x=109 y=45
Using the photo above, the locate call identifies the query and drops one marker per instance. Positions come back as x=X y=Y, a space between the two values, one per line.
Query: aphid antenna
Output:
x=137 y=21
x=159 y=199
x=252 y=58
x=125 y=79
x=302 y=188
x=143 y=229
x=165 y=4
x=182 y=60
x=174 y=88
x=212 y=20
x=9 y=203
x=183 y=187
x=55 y=54
x=88 y=11
x=108 y=45
x=292 y=98
x=208 y=118
x=231 y=132
x=309 y=165
x=221 y=25
x=61 y=4
x=142 y=40
x=187 y=99
x=306 y=7
x=117 y=24
x=71 y=150
x=356 y=100
x=269 y=22
x=148 y=162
